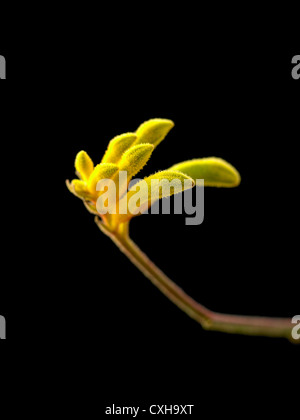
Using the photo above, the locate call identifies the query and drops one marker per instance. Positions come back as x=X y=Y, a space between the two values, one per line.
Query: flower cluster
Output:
x=128 y=153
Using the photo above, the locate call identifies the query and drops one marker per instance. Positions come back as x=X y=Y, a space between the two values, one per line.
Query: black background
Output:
x=94 y=319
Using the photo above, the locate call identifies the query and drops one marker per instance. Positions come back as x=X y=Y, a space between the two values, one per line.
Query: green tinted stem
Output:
x=209 y=320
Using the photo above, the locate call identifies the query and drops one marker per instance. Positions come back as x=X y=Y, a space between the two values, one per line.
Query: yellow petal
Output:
x=135 y=158
x=84 y=165
x=101 y=171
x=153 y=131
x=80 y=189
x=216 y=172
x=117 y=146
x=160 y=185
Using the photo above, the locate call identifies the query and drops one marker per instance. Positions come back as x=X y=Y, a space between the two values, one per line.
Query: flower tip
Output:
x=154 y=131
x=101 y=171
x=84 y=165
x=135 y=158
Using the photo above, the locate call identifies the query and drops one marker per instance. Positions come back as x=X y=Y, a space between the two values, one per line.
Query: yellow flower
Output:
x=130 y=152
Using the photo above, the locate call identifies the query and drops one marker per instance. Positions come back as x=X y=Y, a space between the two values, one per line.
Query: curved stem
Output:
x=247 y=325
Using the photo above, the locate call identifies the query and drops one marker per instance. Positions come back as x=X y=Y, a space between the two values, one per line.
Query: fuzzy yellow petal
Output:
x=101 y=171
x=153 y=188
x=216 y=172
x=117 y=146
x=153 y=131
x=84 y=165
x=80 y=189
x=135 y=158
